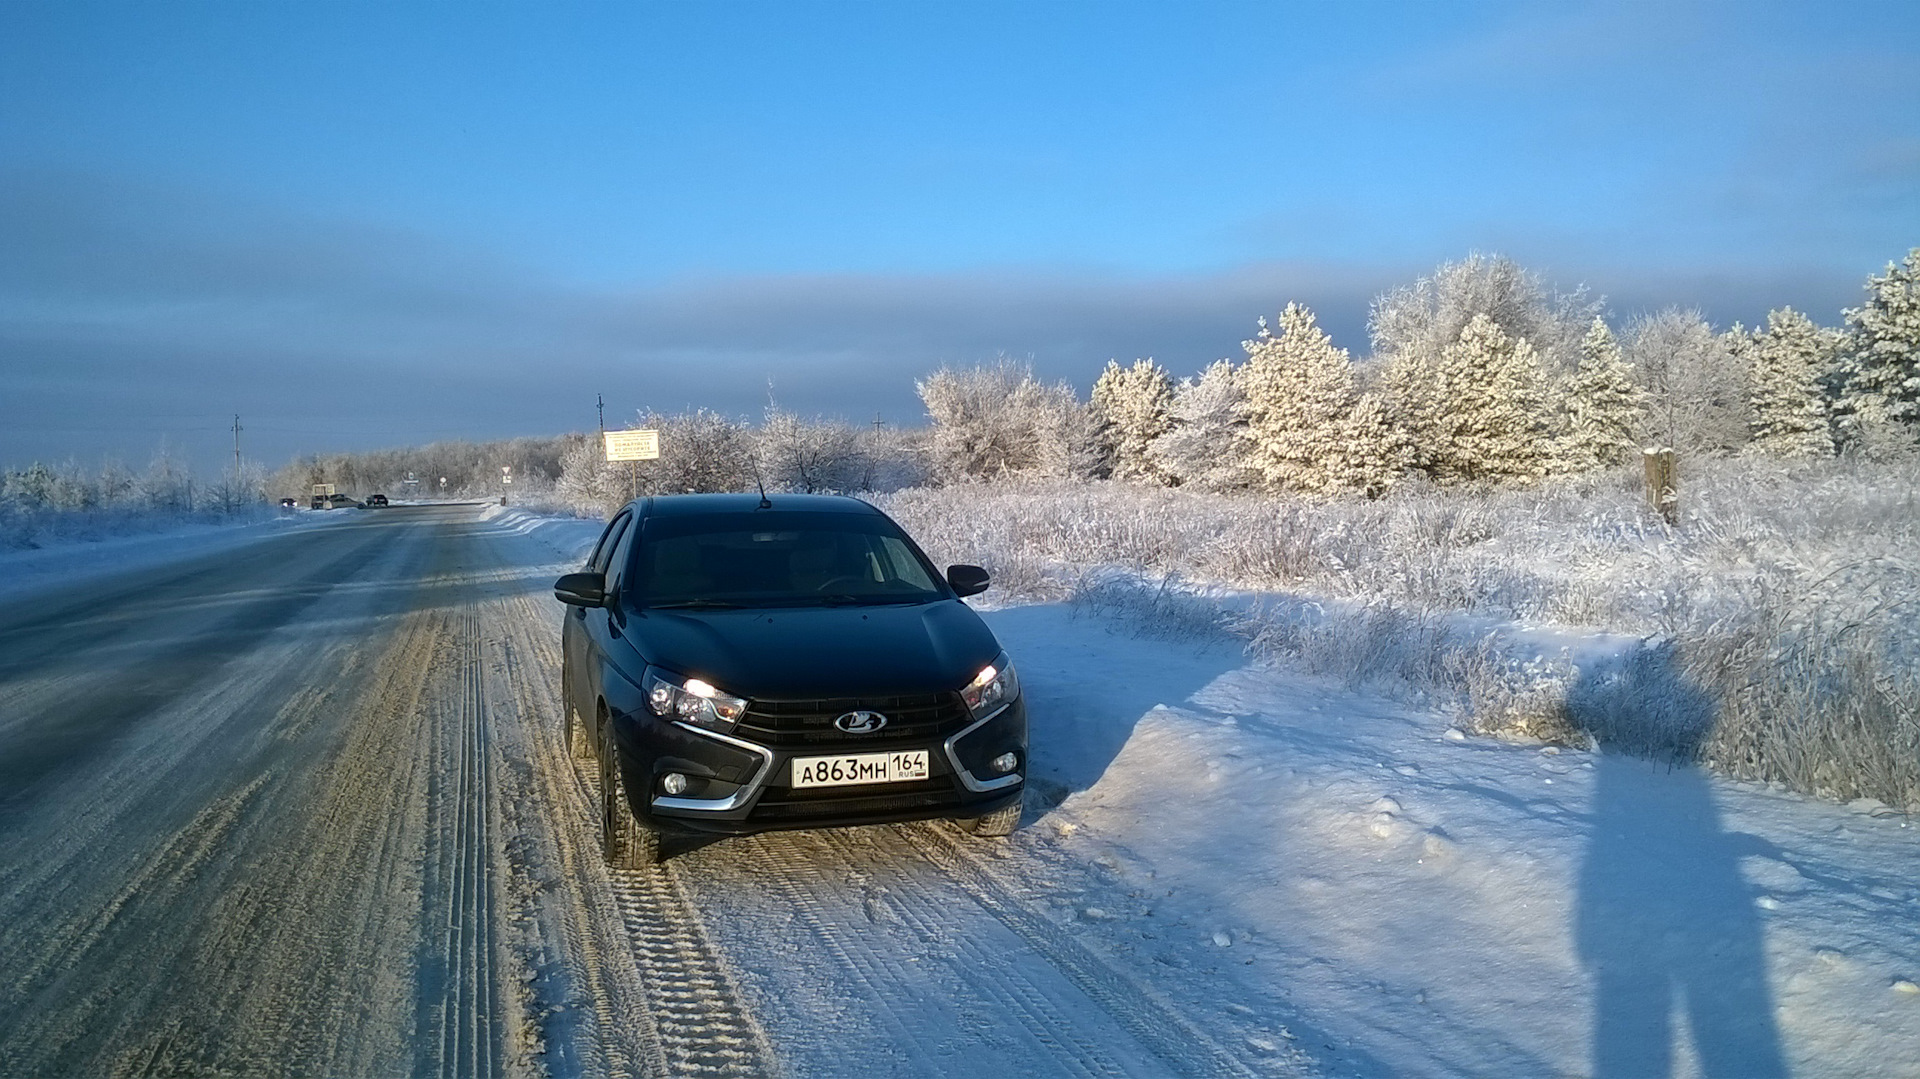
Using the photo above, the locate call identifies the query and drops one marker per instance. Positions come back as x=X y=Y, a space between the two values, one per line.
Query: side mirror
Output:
x=968 y=580
x=582 y=589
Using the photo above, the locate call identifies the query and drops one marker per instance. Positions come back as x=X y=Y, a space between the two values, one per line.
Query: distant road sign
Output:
x=323 y=489
x=642 y=445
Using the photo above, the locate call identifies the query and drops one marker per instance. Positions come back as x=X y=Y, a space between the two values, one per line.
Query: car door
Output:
x=575 y=642
x=603 y=625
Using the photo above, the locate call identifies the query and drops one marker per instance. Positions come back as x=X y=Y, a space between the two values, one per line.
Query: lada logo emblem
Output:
x=861 y=722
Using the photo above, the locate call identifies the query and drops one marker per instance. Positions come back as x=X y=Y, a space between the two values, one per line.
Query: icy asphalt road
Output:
x=304 y=808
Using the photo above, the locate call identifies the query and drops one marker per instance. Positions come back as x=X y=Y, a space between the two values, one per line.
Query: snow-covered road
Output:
x=303 y=806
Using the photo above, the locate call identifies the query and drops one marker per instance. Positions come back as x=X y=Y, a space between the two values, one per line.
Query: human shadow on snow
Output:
x=1665 y=923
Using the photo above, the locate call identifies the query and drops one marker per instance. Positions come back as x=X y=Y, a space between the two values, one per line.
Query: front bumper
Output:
x=742 y=782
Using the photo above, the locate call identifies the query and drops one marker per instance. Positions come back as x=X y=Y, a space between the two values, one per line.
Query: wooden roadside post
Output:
x=1663 y=482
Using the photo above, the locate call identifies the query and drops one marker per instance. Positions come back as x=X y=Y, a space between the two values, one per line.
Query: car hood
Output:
x=812 y=652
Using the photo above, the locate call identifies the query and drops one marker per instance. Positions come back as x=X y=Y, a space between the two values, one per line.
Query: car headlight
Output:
x=691 y=700
x=992 y=688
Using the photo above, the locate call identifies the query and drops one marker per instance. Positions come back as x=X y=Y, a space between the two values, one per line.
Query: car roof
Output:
x=695 y=505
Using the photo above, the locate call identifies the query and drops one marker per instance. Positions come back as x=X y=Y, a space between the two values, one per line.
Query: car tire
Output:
x=625 y=843
x=999 y=823
x=579 y=739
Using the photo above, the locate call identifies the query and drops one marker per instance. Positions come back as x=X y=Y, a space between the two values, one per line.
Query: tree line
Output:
x=1479 y=374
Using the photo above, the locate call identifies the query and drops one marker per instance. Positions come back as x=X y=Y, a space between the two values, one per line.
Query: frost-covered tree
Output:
x=810 y=456
x=1419 y=320
x=1301 y=400
x=1877 y=388
x=999 y=420
x=1487 y=417
x=1208 y=445
x=1130 y=408
x=1696 y=383
x=1601 y=403
x=1787 y=413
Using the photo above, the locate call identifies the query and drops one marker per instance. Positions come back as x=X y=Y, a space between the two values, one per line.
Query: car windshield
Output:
x=778 y=560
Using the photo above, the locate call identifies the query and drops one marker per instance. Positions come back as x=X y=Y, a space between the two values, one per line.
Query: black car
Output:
x=376 y=500
x=740 y=663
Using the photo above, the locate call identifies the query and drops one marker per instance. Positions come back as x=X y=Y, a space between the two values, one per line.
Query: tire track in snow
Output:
x=1183 y=1046
x=987 y=983
x=656 y=984
x=463 y=1016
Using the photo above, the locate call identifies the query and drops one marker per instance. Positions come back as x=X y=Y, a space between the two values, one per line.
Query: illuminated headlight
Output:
x=692 y=701
x=993 y=687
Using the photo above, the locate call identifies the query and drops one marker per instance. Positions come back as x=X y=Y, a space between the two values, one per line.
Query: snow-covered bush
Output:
x=812 y=456
x=999 y=420
x=44 y=503
x=1415 y=322
x=1775 y=633
x=1208 y=445
x=1695 y=382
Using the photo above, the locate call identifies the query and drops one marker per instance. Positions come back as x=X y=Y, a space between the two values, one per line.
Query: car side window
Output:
x=618 y=561
x=603 y=551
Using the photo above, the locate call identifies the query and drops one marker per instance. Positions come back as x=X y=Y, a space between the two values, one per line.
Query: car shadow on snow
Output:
x=1089 y=680
x=1664 y=921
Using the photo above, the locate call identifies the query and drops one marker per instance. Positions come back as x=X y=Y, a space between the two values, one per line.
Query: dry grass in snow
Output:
x=1773 y=633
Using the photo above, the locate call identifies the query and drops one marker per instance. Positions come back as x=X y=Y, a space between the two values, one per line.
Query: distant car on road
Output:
x=376 y=500
x=332 y=502
x=289 y=503
x=738 y=664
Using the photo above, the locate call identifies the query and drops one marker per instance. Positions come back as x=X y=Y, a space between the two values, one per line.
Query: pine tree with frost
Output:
x=1495 y=423
x=1786 y=406
x=1301 y=397
x=1602 y=404
x=1878 y=387
x=1130 y=409
x=1208 y=445
x=1375 y=454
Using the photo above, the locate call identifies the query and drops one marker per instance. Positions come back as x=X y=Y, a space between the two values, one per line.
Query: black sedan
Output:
x=738 y=663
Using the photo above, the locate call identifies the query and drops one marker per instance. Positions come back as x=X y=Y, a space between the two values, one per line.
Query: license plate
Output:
x=902 y=766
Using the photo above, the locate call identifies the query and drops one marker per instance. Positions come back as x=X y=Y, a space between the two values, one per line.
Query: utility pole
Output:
x=600 y=406
x=236 y=448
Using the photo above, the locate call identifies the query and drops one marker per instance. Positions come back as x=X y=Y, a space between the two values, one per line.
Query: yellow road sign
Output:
x=641 y=445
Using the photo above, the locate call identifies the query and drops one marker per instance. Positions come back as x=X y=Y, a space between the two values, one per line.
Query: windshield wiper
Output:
x=695 y=604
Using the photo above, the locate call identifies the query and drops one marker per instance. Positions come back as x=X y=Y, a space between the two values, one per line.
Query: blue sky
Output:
x=369 y=225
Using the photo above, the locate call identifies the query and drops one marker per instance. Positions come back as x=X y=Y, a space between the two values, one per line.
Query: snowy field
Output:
x=1228 y=866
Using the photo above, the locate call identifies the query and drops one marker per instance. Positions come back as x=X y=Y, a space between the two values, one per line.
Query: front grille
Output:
x=922 y=719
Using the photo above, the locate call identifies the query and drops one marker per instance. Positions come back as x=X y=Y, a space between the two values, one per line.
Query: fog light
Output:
x=673 y=783
x=1004 y=762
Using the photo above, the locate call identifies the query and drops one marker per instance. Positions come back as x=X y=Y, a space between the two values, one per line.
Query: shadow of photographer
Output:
x=1665 y=923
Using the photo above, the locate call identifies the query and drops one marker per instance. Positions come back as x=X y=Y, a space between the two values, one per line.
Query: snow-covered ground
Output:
x=29 y=570
x=1355 y=876
x=1319 y=879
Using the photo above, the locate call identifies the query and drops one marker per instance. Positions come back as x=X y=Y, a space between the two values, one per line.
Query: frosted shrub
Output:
x=1778 y=624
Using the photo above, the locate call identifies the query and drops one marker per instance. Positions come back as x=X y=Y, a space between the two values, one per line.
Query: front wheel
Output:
x=625 y=843
x=579 y=738
x=1000 y=822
